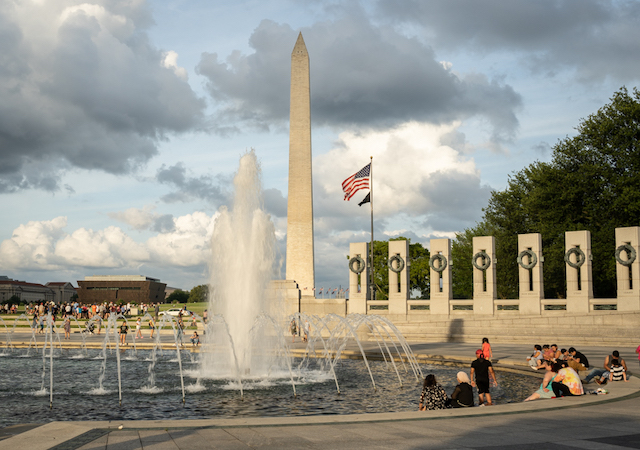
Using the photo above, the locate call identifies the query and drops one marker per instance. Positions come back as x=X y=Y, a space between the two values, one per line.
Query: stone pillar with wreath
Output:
x=398 y=277
x=359 y=278
x=485 y=289
x=531 y=287
x=578 y=259
x=441 y=287
x=628 y=268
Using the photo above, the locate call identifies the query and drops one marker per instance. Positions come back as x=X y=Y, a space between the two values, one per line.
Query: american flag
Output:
x=357 y=181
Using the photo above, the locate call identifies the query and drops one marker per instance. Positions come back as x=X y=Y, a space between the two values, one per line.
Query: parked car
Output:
x=176 y=312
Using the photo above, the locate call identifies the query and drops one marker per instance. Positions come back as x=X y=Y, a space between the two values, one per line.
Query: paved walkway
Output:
x=589 y=422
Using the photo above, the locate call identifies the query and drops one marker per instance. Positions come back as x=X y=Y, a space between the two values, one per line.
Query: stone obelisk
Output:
x=300 y=264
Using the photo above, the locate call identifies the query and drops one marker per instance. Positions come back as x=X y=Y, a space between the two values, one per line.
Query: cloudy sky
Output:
x=122 y=121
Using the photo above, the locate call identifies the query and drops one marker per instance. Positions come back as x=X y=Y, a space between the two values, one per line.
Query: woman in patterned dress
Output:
x=433 y=395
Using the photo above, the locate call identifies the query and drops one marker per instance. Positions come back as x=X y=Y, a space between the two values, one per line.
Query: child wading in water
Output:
x=486 y=349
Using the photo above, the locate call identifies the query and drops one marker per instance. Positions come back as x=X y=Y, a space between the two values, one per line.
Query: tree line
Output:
x=198 y=294
x=591 y=183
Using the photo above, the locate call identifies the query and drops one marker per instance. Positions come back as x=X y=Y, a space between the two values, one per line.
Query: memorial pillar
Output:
x=578 y=261
x=628 y=268
x=440 y=276
x=398 y=277
x=359 y=283
x=530 y=273
x=484 y=274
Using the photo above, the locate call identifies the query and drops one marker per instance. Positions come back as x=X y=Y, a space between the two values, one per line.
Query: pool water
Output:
x=77 y=397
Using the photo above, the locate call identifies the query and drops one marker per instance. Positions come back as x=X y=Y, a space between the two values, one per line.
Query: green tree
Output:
x=199 y=294
x=178 y=296
x=13 y=300
x=592 y=183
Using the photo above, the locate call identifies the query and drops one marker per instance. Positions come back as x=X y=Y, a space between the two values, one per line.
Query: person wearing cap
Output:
x=482 y=371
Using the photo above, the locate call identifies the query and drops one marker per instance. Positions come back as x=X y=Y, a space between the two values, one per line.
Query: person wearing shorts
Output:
x=482 y=376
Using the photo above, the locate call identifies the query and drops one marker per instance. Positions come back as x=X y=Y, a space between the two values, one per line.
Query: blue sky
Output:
x=122 y=122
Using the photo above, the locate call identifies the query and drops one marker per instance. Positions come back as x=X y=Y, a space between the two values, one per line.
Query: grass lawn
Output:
x=197 y=308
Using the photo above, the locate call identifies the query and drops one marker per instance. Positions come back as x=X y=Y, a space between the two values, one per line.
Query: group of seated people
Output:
x=549 y=353
x=562 y=378
x=434 y=396
x=563 y=368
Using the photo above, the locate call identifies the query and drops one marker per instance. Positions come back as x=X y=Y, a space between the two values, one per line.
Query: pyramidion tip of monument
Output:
x=300 y=45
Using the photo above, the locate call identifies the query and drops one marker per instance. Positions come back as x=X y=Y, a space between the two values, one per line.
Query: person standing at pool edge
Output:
x=482 y=371
x=123 y=333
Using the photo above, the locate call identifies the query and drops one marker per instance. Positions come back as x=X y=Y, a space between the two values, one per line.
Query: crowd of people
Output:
x=566 y=371
x=94 y=314
x=9 y=308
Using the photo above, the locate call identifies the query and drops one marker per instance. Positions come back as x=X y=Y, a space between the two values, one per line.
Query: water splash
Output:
x=243 y=248
x=150 y=390
x=99 y=391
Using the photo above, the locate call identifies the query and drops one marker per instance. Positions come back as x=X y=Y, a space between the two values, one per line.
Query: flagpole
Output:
x=371 y=203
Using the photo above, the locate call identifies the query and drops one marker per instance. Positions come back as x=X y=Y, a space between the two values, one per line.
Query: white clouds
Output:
x=116 y=24
x=45 y=245
x=412 y=168
x=144 y=219
x=110 y=247
x=33 y=245
x=171 y=62
x=188 y=244
x=81 y=86
x=140 y=219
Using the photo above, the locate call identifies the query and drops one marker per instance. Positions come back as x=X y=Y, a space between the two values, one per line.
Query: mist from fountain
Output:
x=243 y=248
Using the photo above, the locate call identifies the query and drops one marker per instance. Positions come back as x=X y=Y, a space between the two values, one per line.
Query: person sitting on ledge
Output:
x=545 y=390
x=603 y=373
x=535 y=358
x=462 y=396
x=566 y=382
x=578 y=361
x=547 y=353
x=433 y=395
x=617 y=372
x=557 y=354
x=195 y=339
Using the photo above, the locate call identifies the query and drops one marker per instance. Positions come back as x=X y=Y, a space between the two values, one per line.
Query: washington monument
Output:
x=300 y=265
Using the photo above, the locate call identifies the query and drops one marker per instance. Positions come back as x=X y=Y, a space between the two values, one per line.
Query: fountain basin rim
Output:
x=63 y=431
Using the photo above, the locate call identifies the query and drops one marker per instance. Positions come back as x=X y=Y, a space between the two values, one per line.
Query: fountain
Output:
x=243 y=253
x=245 y=365
x=245 y=338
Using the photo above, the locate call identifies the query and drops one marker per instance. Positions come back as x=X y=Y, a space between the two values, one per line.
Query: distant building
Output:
x=120 y=288
x=170 y=290
x=26 y=292
x=63 y=291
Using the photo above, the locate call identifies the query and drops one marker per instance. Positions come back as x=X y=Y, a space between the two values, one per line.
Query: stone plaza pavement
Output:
x=588 y=422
